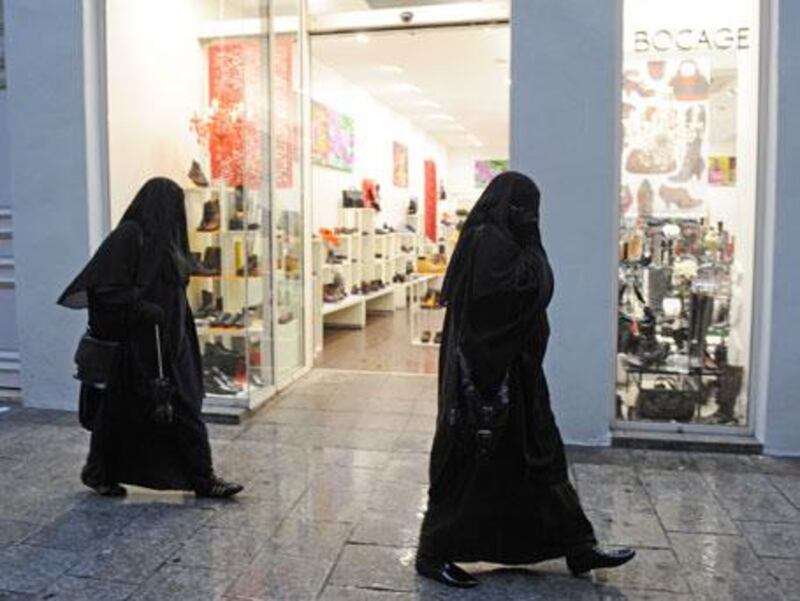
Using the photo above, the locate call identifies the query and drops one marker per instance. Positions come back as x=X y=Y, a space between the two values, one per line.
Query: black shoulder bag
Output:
x=95 y=361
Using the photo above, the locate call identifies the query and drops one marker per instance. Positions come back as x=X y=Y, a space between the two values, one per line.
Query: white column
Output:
x=565 y=64
x=781 y=422
x=58 y=209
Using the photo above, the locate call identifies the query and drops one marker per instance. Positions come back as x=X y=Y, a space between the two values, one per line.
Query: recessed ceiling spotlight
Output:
x=440 y=117
x=405 y=87
x=390 y=68
x=429 y=104
x=362 y=38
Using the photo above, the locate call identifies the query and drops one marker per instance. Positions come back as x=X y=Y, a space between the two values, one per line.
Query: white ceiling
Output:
x=461 y=73
x=318 y=7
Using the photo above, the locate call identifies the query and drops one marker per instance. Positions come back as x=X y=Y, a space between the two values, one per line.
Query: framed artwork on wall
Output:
x=486 y=170
x=332 y=138
x=400 y=163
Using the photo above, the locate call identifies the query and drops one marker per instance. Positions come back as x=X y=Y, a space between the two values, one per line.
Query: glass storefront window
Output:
x=206 y=92
x=690 y=92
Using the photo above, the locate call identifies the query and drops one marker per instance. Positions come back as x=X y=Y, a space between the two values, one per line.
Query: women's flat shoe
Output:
x=598 y=558
x=218 y=488
x=445 y=572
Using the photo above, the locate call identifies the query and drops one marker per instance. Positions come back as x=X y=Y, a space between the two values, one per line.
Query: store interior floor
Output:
x=383 y=346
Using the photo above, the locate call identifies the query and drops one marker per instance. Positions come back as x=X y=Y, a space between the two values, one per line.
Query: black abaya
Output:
x=515 y=504
x=137 y=279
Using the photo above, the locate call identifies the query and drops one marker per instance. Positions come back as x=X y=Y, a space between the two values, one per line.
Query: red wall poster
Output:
x=430 y=200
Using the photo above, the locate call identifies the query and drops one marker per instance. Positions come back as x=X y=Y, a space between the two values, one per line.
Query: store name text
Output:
x=666 y=40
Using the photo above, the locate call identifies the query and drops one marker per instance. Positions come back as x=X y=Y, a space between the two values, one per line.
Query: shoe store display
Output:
x=438 y=338
x=211 y=217
x=197 y=176
x=426 y=337
x=252 y=268
x=679 y=197
x=215 y=381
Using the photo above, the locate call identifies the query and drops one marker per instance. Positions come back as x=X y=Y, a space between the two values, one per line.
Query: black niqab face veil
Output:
x=152 y=231
x=507 y=215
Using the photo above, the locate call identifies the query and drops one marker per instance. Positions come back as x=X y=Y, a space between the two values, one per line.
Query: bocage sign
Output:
x=691 y=40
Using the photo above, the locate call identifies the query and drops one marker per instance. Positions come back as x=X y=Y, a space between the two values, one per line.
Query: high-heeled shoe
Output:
x=197 y=176
x=598 y=558
x=693 y=163
x=445 y=572
x=679 y=197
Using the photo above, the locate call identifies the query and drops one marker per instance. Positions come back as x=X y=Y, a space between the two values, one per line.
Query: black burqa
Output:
x=515 y=504
x=138 y=278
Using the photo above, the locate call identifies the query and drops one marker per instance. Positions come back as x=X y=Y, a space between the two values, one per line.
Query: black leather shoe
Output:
x=445 y=572
x=103 y=489
x=217 y=488
x=598 y=558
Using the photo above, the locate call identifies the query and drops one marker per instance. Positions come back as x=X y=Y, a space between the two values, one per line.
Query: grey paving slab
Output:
x=749 y=496
x=219 y=548
x=622 y=498
x=26 y=569
x=387 y=530
x=310 y=538
x=787 y=571
x=249 y=513
x=676 y=485
x=715 y=554
x=161 y=521
x=273 y=576
x=126 y=559
x=789 y=486
x=597 y=473
x=734 y=587
x=640 y=528
x=371 y=566
x=179 y=583
x=69 y=588
x=652 y=569
x=340 y=593
x=82 y=529
x=13 y=531
x=690 y=514
x=773 y=540
x=407 y=467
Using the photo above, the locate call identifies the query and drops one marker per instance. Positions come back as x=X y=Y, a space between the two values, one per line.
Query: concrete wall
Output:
x=565 y=68
x=782 y=412
x=49 y=162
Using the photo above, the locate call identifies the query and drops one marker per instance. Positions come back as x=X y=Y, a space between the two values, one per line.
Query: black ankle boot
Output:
x=445 y=572
x=595 y=557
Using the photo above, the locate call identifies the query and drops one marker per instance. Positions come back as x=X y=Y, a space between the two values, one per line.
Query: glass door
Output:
x=690 y=117
x=288 y=217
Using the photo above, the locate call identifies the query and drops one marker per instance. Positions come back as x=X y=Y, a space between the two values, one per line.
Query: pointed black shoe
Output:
x=598 y=558
x=445 y=572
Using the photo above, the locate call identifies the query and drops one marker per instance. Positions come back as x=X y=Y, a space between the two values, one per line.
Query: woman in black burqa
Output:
x=136 y=280
x=499 y=489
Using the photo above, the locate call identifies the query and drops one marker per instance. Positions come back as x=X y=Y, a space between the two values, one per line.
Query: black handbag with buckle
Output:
x=95 y=361
x=487 y=416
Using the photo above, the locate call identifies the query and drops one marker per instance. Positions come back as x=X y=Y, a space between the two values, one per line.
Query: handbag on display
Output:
x=689 y=84
x=665 y=403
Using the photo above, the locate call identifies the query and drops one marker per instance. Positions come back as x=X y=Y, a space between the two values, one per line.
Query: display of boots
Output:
x=731 y=378
x=644 y=199
x=212 y=261
x=238 y=218
x=197 y=176
x=693 y=163
x=679 y=197
x=198 y=267
x=207 y=304
x=211 y=217
x=252 y=267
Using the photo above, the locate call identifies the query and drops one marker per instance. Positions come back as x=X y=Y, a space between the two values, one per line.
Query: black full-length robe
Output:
x=514 y=505
x=137 y=278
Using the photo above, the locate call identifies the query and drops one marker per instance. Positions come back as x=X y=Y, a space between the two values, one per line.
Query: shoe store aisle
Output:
x=336 y=473
x=383 y=346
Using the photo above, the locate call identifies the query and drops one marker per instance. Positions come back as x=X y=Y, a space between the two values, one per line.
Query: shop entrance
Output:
x=408 y=125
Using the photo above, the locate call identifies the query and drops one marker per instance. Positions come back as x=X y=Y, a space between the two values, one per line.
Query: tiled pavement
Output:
x=335 y=473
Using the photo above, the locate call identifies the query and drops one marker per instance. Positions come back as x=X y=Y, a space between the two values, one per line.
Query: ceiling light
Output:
x=390 y=68
x=429 y=104
x=440 y=117
x=362 y=38
x=405 y=87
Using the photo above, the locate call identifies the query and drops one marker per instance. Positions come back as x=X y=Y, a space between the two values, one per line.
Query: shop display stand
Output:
x=234 y=357
x=425 y=319
x=368 y=256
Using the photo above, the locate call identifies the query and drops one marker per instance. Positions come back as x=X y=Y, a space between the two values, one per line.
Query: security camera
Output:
x=406 y=16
